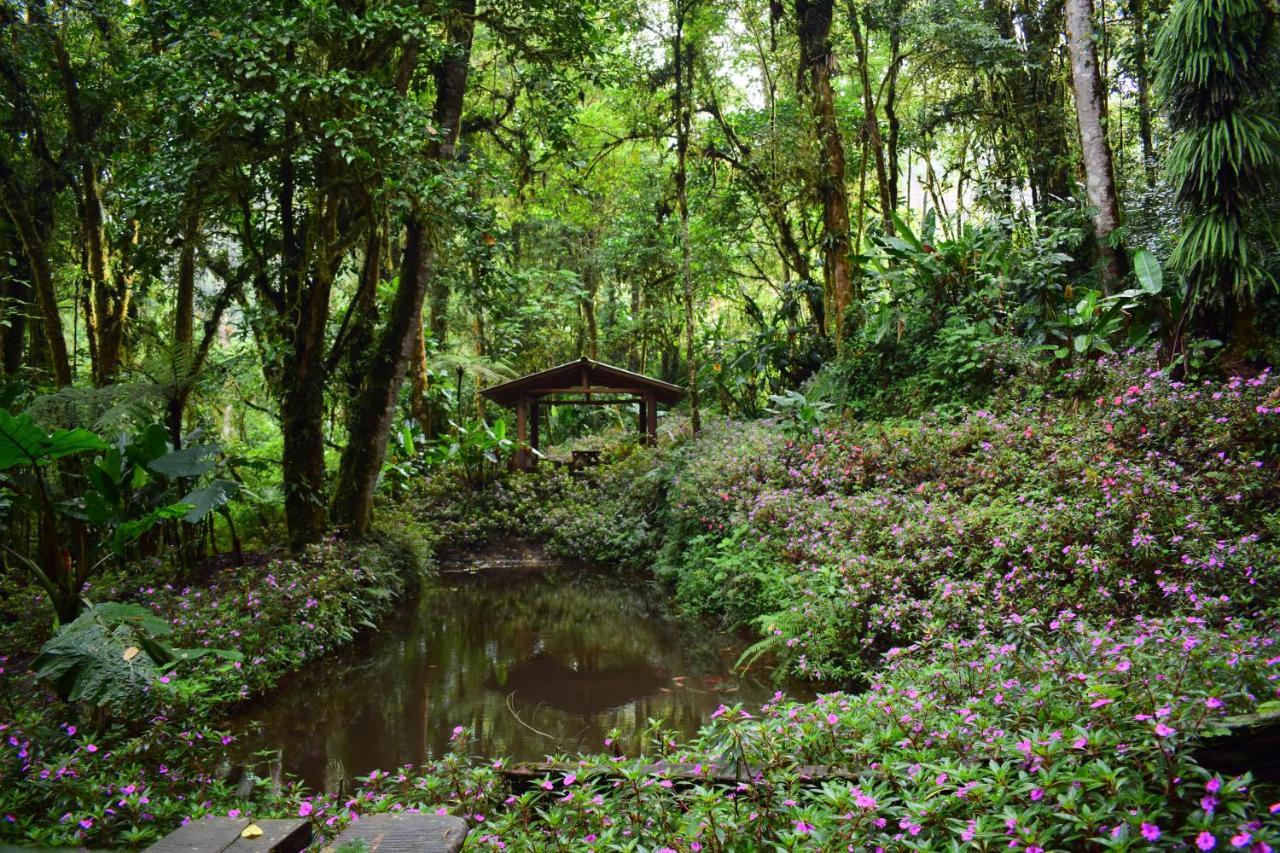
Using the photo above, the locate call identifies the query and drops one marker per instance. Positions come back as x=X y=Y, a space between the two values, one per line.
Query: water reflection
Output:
x=537 y=662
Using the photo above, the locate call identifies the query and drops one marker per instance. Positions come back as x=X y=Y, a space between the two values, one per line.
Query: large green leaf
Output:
x=193 y=461
x=206 y=499
x=1147 y=269
x=22 y=442
x=96 y=658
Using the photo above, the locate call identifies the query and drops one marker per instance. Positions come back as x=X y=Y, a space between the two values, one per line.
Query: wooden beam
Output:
x=593 y=389
x=618 y=401
x=651 y=418
x=535 y=422
x=522 y=434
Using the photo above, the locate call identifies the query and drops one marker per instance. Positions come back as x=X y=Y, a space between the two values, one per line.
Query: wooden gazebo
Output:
x=579 y=383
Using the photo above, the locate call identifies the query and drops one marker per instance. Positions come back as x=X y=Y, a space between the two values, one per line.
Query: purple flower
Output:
x=1150 y=831
x=1206 y=841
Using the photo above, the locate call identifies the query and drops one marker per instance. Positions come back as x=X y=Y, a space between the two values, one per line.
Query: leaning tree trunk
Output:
x=375 y=409
x=1091 y=111
x=813 y=26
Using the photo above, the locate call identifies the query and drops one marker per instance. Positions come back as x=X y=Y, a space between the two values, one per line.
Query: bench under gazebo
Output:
x=584 y=382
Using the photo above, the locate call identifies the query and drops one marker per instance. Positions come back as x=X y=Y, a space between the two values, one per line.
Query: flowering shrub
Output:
x=1158 y=498
x=286 y=611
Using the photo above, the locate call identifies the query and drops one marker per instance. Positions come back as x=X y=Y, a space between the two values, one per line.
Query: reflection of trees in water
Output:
x=582 y=653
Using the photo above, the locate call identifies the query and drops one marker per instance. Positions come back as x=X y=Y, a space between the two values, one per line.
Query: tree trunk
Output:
x=34 y=229
x=374 y=409
x=183 y=328
x=872 y=123
x=683 y=68
x=15 y=299
x=813 y=26
x=109 y=291
x=1091 y=112
x=1138 y=11
x=303 y=374
x=366 y=448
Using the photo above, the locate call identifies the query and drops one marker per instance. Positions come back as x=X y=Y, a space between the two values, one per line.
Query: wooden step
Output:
x=406 y=833
x=218 y=834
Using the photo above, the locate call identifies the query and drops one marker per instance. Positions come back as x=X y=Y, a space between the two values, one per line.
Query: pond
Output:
x=537 y=660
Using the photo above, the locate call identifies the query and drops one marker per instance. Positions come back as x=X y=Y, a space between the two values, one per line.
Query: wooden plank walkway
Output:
x=406 y=833
x=219 y=834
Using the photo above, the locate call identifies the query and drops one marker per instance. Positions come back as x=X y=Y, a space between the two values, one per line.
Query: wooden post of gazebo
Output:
x=581 y=382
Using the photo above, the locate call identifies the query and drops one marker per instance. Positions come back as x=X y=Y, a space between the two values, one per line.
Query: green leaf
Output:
x=193 y=461
x=24 y=443
x=131 y=530
x=905 y=232
x=206 y=499
x=1147 y=269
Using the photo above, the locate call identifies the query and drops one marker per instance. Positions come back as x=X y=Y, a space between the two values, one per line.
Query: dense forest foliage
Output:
x=973 y=301
x=275 y=221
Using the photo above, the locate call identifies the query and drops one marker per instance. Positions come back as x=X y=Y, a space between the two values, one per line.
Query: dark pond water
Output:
x=538 y=662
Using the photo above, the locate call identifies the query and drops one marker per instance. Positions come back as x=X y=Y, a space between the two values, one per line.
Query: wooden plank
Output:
x=278 y=836
x=1252 y=745
x=406 y=833
x=688 y=774
x=210 y=835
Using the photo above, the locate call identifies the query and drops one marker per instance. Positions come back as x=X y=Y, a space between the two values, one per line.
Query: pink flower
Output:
x=1150 y=831
x=1213 y=702
x=90 y=748
x=305 y=809
x=233 y=813
x=1101 y=703
x=1206 y=841
x=1241 y=840
x=1164 y=731
x=1037 y=794
x=803 y=828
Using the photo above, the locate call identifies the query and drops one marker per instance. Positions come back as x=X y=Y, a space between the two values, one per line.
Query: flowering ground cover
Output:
x=1037 y=612
x=127 y=775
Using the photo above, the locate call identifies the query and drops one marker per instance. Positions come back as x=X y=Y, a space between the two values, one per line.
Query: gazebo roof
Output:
x=583 y=376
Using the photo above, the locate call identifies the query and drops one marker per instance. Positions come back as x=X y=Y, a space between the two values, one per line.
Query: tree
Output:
x=374 y=408
x=1091 y=115
x=813 y=28
x=682 y=60
x=1218 y=72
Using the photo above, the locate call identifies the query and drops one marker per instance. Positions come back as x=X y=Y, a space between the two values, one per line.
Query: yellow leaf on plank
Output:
x=252 y=831
x=131 y=653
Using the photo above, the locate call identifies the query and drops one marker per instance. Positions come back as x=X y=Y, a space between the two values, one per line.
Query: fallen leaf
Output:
x=131 y=653
x=252 y=831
